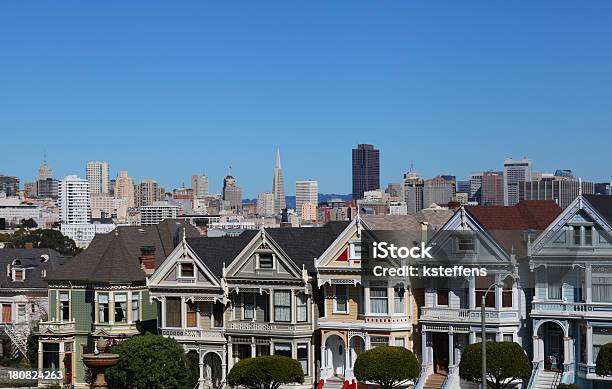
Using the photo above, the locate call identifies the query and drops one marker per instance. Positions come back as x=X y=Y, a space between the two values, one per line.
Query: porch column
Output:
x=201 y=363
x=589 y=345
x=253 y=348
x=230 y=355
x=568 y=350
x=163 y=311
x=451 y=347
x=536 y=349
x=323 y=362
x=366 y=293
x=424 y=348
x=40 y=354
x=588 y=282
x=271 y=313
x=472 y=293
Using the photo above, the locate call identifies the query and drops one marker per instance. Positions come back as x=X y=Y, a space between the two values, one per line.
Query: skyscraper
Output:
x=412 y=188
x=366 y=170
x=148 y=192
x=278 y=188
x=439 y=190
x=265 y=204
x=97 y=175
x=475 y=185
x=45 y=171
x=232 y=192
x=73 y=200
x=515 y=172
x=199 y=185
x=124 y=189
x=492 y=190
x=306 y=191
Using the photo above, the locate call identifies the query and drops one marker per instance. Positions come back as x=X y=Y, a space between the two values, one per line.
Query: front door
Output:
x=68 y=367
x=440 y=350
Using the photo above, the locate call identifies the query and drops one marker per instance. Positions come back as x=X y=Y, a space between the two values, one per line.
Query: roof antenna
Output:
x=580 y=186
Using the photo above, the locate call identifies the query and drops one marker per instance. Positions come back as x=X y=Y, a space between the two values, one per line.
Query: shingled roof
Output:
x=34 y=260
x=113 y=257
x=602 y=203
x=302 y=245
x=508 y=224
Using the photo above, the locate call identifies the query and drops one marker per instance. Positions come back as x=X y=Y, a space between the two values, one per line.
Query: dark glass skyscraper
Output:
x=366 y=170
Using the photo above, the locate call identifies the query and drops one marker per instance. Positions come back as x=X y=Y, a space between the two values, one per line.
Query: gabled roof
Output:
x=302 y=245
x=36 y=260
x=508 y=224
x=601 y=203
x=113 y=257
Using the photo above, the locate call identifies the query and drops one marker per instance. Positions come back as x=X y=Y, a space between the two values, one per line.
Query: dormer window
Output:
x=187 y=270
x=18 y=274
x=465 y=244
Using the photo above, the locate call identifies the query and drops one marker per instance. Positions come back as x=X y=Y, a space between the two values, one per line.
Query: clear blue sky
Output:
x=168 y=89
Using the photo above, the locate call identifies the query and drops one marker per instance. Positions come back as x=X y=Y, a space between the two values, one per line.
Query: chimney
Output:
x=424 y=226
x=29 y=245
x=147 y=259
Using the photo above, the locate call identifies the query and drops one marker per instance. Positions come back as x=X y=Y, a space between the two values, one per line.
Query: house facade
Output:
x=571 y=312
x=102 y=293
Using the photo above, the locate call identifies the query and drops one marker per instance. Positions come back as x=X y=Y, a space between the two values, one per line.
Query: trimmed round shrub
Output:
x=388 y=366
x=604 y=360
x=265 y=372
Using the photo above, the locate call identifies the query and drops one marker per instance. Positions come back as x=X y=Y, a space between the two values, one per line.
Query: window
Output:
x=378 y=300
x=399 y=300
x=508 y=338
x=173 y=312
x=21 y=312
x=601 y=282
x=249 y=305
x=588 y=236
x=465 y=244
x=482 y=285
x=555 y=290
x=266 y=261
x=302 y=307
x=376 y=341
x=50 y=353
x=65 y=305
x=302 y=356
x=507 y=297
x=103 y=308
x=283 y=349
x=187 y=270
x=576 y=240
x=19 y=275
x=192 y=315
x=341 y=298
x=490 y=337
x=135 y=306
x=400 y=342
x=282 y=306
x=601 y=336
x=262 y=349
x=218 y=314
x=442 y=297
x=121 y=308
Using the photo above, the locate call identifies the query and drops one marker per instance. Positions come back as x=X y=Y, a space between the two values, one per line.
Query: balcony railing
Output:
x=564 y=308
x=117 y=328
x=467 y=315
x=192 y=333
x=56 y=326
x=375 y=319
x=267 y=327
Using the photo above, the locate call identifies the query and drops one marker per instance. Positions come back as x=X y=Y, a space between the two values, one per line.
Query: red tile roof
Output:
x=508 y=224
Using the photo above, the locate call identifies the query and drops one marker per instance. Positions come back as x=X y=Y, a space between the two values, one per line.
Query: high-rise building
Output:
x=74 y=200
x=232 y=192
x=308 y=212
x=278 y=186
x=412 y=188
x=265 y=204
x=306 y=191
x=492 y=189
x=157 y=212
x=463 y=186
x=45 y=171
x=394 y=190
x=515 y=172
x=148 y=192
x=603 y=188
x=9 y=185
x=439 y=190
x=475 y=185
x=97 y=175
x=124 y=188
x=47 y=188
x=199 y=185
x=557 y=188
x=366 y=170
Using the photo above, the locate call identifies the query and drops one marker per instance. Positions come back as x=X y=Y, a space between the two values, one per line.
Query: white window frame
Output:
x=244 y=309
x=335 y=310
x=258 y=264
x=59 y=304
x=180 y=270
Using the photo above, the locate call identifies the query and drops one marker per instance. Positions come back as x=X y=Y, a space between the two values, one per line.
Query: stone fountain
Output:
x=98 y=362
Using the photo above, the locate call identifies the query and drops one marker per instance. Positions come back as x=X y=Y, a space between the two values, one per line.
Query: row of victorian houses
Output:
x=309 y=293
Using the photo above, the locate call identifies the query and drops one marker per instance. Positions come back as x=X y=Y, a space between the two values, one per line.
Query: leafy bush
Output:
x=388 y=366
x=150 y=362
x=265 y=372
x=604 y=360
x=505 y=360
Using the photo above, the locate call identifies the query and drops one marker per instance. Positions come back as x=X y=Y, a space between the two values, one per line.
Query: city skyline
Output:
x=475 y=83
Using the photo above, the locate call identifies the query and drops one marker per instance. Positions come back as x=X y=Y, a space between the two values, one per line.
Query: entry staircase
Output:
x=434 y=381
x=545 y=379
x=18 y=333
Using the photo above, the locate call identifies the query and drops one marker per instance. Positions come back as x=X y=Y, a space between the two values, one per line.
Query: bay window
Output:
x=103 y=308
x=378 y=301
x=192 y=315
x=341 y=298
x=283 y=349
x=601 y=282
x=135 y=306
x=173 y=312
x=302 y=307
x=120 y=308
x=399 y=299
x=248 y=306
x=64 y=297
x=282 y=305
x=302 y=356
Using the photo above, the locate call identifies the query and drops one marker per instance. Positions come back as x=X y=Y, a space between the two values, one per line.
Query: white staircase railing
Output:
x=18 y=333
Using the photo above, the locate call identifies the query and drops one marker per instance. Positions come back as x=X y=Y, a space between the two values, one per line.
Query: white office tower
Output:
x=306 y=191
x=97 y=175
x=73 y=200
x=278 y=188
x=265 y=204
x=515 y=172
x=199 y=185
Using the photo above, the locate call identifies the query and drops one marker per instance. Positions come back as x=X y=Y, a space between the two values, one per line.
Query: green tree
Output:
x=604 y=360
x=28 y=223
x=45 y=238
x=265 y=372
x=388 y=366
x=506 y=362
x=150 y=362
